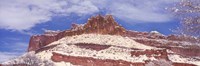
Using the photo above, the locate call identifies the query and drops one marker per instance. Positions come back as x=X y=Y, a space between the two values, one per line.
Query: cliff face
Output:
x=88 y=61
x=103 y=25
x=107 y=25
x=184 y=45
x=97 y=24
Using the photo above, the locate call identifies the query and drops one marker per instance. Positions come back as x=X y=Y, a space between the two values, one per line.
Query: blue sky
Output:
x=19 y=19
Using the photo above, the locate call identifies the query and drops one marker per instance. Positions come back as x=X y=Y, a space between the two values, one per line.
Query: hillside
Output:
x=101 y=41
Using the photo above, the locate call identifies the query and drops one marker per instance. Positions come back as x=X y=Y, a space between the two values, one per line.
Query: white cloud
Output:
x=85 y=7
x=134 y=13
x=25 y=14
x=139 y=10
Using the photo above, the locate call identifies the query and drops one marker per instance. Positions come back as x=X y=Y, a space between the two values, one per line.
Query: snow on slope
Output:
x=66 y=46
x=102 y=40
x=113 y=53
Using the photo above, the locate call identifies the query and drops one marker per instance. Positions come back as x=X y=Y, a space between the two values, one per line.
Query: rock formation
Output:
x=97 y=24
x=161 y=46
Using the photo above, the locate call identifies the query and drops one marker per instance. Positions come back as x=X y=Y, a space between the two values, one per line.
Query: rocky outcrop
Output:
x=180 y=45
x=176 y=46
x=183 y=38
x=103 y=25
x=39 y=41
x=88 y=61
x=97 y=24
x=186 y=51
x=158 y=54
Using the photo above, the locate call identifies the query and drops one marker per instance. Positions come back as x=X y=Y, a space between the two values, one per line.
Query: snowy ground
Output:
x=102 y=40
x=66 y=46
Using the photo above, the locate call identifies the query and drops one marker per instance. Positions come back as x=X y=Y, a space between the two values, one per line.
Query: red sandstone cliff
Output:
x=160 y=45
x=97 y=24
x=107 y=25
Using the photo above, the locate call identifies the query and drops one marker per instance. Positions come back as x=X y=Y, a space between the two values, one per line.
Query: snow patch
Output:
x=113 y=53
x=102 y=40
x=155 y=32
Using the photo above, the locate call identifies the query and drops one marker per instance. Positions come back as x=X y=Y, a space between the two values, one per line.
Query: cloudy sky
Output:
x=19 y=19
